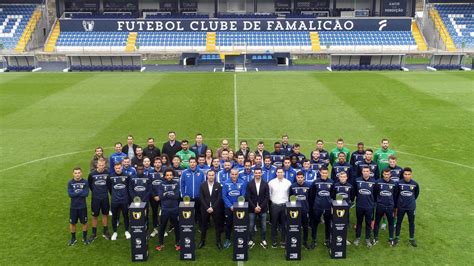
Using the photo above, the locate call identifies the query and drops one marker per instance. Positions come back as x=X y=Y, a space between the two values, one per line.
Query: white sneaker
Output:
x=166 y=234
x=114 y=236
x=110 y=213
x=154 y=233
x=348 y=243
x=251 y=244
x=384 y=226
x=127 y=235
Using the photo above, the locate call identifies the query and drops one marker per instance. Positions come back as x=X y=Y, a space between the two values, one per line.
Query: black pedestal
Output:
x=186 y=227
x=241 y=232
x=339 y=223
x=138 y=231
x=293 y=233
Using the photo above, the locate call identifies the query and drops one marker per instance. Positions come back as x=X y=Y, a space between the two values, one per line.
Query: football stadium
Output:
x=223 y=132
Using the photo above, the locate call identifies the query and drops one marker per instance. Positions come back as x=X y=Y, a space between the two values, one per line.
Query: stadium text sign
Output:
x=206 y=25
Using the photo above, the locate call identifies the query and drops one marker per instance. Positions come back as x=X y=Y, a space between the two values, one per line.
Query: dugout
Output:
x=104 y=62
x=447 y=61
x=189 y=59
x=348 y=62
x=20 y=63
x=235 y=62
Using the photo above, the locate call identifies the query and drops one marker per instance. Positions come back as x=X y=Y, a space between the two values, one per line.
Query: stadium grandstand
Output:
x=237 y=26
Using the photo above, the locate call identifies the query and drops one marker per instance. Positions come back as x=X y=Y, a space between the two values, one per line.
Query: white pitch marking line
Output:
x=236 y=117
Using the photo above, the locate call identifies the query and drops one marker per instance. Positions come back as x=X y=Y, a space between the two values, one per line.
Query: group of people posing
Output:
x=371 y=181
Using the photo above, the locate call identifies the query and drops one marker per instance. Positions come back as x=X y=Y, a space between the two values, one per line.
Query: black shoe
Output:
x=282 y=244
x=201 y=244
x=313 y=245
x=395 y=242
x=274 y=245
x=106 y=235
x=72 y=242
x=392 y=243
x=413 y=243
x=92 y=238
x=85 y=242
x=219 y=246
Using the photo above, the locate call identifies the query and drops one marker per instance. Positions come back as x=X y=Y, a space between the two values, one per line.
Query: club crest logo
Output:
x=340 y=213
x=136 y=215
x=240 y=215
x=294 y=214
x=88 y=25
x=187 y=214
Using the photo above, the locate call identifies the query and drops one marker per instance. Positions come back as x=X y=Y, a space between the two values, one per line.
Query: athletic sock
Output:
x=84 y=235
x=94 y=231
x=73 y=235
x=106 y=229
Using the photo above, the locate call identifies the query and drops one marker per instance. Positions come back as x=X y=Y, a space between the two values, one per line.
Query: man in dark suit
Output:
x=199 y=148
x=244 y=149
x=172 y=146
x=258 y=197
x=131 y=148
x=211 y=205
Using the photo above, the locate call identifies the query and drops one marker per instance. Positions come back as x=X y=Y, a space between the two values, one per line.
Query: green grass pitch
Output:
x=50 y=123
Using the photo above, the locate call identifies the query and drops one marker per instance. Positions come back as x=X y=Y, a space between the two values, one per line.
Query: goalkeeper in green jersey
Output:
x=333 y=155
x=381 y=155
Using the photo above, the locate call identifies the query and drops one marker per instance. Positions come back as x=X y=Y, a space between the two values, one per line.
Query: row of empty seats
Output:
x=105 y=68
x=447 y=66
x=368 y=38
x=92 y=39
x=459 y=21
x=344 y=67
x=224 y=39
x=13 y=21
x=20 y=68
x=263 y=38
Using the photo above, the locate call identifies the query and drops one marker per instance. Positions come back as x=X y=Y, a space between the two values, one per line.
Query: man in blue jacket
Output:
x=269 y=170
x=118 y=187
x=78 y=190
x=156 y=177
x=169 y=195
x=232 y=189
x=288 y=171
x=301 y=190
x=385 y=192
x=98 y=181
x=320 y=198
x=408 y=191
x=341 y=166
x=190 y=184
x=365 y=204
x=116 y=157
x=309 y=174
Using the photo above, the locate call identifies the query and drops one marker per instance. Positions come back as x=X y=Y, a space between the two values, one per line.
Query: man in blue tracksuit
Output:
x=346 y=190
x=78 y=190
x=269 y=170
x=365 y=204
x=368 y=162
x=408 y=191
x=224 y=174
x=232 y=189
x=316 y=162
x=156 y=177
x=169 y=195
x=309 y=174
x=320 y=195
x=118 y=187
x=396 y=172
x=341 y=166
x=277 y=155
x=116 y=157
x=140 y=185
x=190 y=184
x=98 y=181
x=246 y=174
x=127 y=168
x=357 y=155
x=301 y=190
x=288 y=171
x=385 y=192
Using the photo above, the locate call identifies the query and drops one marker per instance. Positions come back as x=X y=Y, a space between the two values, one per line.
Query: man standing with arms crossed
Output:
x=78 y=190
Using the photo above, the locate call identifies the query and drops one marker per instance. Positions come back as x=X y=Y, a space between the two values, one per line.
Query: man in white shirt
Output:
x=279 y=189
